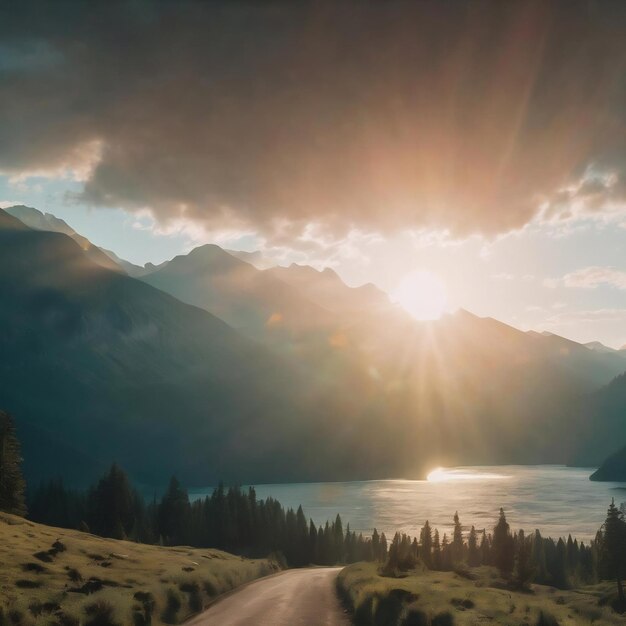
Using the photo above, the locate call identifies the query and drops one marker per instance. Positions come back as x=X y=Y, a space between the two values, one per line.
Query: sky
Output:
x=483 y=143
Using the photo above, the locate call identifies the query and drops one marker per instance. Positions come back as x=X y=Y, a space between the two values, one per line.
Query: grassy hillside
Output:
x=425 y=598
x=54 y=576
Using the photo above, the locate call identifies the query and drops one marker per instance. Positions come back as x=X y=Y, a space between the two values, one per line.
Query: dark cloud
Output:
x=384 y=115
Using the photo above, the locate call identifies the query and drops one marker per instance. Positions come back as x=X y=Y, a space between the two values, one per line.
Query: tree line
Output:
x=232 y=519
x=520 y=559
x=237 y=521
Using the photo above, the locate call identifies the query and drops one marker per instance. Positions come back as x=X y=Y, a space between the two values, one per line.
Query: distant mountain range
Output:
x=213 y=369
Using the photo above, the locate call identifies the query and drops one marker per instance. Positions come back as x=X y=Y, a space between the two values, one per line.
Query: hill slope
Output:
x=39 y=581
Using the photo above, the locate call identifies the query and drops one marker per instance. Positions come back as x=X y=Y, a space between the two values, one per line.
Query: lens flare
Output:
x=422 y=294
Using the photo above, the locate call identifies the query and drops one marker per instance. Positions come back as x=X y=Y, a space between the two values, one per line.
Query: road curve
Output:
x=298 y=597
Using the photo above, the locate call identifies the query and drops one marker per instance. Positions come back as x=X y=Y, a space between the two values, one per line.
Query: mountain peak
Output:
x=9 y=222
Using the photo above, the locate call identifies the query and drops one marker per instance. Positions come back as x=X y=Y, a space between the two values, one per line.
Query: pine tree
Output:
x=375 y=545
x=446 y=554
x=457 y=540
x=485 y=549
x=426 y=542
x=383 y=547
x=173 y=515
x=473 y=556
x=614 y=540
x=503 y=546
x=539 y=559
x=523 y=569
x=112 y=505
x=435 y=559
x=12 y=485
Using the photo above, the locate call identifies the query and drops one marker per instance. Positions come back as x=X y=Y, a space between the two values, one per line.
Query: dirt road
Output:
x=299 y=597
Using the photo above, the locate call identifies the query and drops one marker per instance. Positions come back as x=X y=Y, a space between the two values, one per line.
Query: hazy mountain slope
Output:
x=462 y=389
x=98 y=366
x=106 y=366
x=328 y=290
x=248 y=299
x=37 y=220
x=130 y=268
x=601 y=420
x=612 y=469
x=597 y=366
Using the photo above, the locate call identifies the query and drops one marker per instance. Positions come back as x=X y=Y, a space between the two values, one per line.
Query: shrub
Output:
x=36 y=608
x=415 y=617
x=57 y=546
x=443 y=619
x=33 y=567
x=388 y=610
x=74 y=575
x=15 y=618
x=547 y=619
x=24 y=583
x=100 y=613
x=64 y=619
x=172 y=606
x=142 y=616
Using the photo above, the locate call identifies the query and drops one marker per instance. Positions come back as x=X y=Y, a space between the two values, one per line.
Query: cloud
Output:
x=595 y=276
x=278 y=118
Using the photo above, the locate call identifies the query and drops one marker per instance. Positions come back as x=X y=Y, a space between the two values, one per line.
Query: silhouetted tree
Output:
x=435 y=558
x=457 y=540
x=173 y=513
x=524 y=570
x=112 y=505
x=503 y=547
x=473 y=553
x=375 y=545
x=12 y=485
x=614 y=544
x=383 y=547
x=426 y=543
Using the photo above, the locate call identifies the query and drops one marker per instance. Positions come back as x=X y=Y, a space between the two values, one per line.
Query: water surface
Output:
x=558 y=500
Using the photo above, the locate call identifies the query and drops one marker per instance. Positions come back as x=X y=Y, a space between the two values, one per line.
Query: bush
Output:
x=33 y=567
x=547 y=619
x=74 y=575
x=64 y=619
x=415 y=617
x=100 y=613
x=388 y=610
x=142 y=616
x=172 y=606
x=443 y=619
x=24 y=583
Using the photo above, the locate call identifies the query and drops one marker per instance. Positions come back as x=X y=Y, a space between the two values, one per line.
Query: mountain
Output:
x=130 y=268
x=251 y=301
x=37 y=220
x=594 y=365
x=97 y=365
x=254 y=258
x=599 y=418
x=597 y=346
x=213 y=369
x=464 y=388
x=613 y=469
x=327 y=290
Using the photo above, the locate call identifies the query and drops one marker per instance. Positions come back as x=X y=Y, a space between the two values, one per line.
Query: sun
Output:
x=422 y=294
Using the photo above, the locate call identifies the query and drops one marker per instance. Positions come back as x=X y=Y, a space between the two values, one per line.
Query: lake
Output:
x=556 y=499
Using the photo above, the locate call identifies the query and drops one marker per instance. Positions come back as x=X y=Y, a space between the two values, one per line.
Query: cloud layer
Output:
x=469 y=117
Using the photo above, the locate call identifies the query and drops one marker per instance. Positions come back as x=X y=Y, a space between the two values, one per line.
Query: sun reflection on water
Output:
x=443 y=475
